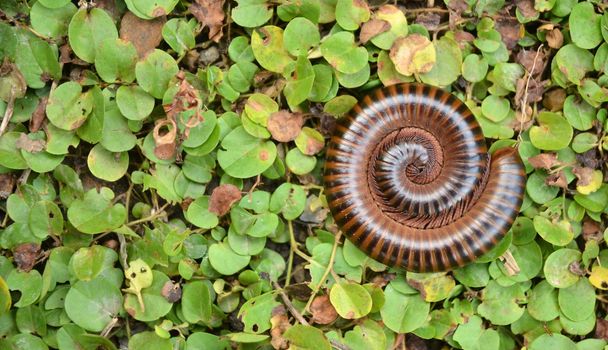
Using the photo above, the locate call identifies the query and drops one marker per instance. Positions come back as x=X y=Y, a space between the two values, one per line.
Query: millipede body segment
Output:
x=409 y=180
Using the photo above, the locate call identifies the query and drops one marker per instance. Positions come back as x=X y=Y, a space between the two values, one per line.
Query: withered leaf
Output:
x=554 y=99
x=25 y=255
x=555 y=38
x=222 y=198
x=544 y=161
x=584 y=175
x=7 y=183
x=211 y=15
x=38 y=115
x=279 y=324
x=164 y=133
x=171 y=291
x=145 y=35
x=372 y=28
x=29 y=145
x=323 y=312
x=285 y=126
x=557 y=180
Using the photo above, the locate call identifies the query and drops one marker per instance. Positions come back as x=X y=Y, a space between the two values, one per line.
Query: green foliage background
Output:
x=161 y=162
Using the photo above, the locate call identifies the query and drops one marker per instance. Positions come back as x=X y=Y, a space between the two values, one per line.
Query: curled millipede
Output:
x=409 y=180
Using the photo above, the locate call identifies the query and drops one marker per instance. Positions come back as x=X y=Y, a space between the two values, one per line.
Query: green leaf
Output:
x=351 y=300
x=87 y=30
x=403 y=313
x=303 y=337
x=585 y=26
x=133 y=102
x=542 y=302
x=557 y=268
x=343 y=54
x=553 y=132
x=179 y=35
x=552 y=341
x=256 y=313
x=500 y=304
x=100 y=298
x=577 y=302
x=225 y=260
x=268 y=49
x=351 y=13
x=96 y=213
x=147 y=340
x=245 y=156
x=199 y=215
x=196 y=302
x=68 y=107
x=156 y=305
x=28 y=283
x=107 y=165
x=288 y=199
x=299 y=85
x=52 y=21
x=115 y=60
x=251 y=13
x=300 y=36
x=155 y=71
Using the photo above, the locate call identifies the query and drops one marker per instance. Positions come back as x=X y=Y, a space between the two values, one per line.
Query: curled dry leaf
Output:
x=372 y=28
x=285 y=126
x=557 y=179
x=25 y=255
x=222 y=198
x=584 y=175
x=510 y=32
x=592 y=230
x=279 y=324
x=7 y=183
x=544 y=161
x=323 y=312
x=171 y=291
x=413 y=54
x=211 y=15
x=145 y=35
x=555 y=38
x=164 y=133
x=554 y=99
x=39 y=115
x=28 y=145
x=429 y=20
x=526 y=7
x=532 y=60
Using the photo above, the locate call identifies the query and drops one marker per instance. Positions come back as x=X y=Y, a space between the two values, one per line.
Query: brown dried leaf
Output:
x=533 y=61
x=557 y=180
x=323 y=312
x=592 y=230
x=584 y=175
x=554 y=99
x=601 y=328
x=372 y=28
x=144 y=34
x=510 y=31
x=28 y=145
x=285 y=126
x=171 y=291
x=222 y=198
x=555 y=39
x=279 y=324
x=544 y=161
x=38 y=115
x=7 y=183
x=526 y=7
x=25 y=255
x=429 y=20
x=164 y=133
x=211 y=14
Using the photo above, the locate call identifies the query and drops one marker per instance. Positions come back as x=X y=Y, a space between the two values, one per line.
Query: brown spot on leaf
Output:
x=145 y=35
x=372 y=28
x=323 y=312
x=313 y=146
x=171 y=291
x=222 y=198
x=544 y=161
x=285 y=126
x=29 y=145
x=25 y=255
x=211 y=15
x=413 y=54
x=263 y=155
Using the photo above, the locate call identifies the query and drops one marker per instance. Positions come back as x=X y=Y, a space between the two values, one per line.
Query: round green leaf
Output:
x=351 y=13
x=585 y=26
x=552 y=341
x=148 y=340
x=199 y=215
x=300 y=36
x=351 y=300
x=267 y=46
x=577 y=302
x=68 y=107
x=245 y=156
x=299 y=163
x=500 y=304
x=52 y=22
x=87 y=30
x=133 y=102
x=96 y=213
x=542 y=302
x=552 y=133
x=225 y=261
x=403 y=313
x=557 y=268
x=303 y=337
x=106 y=165
x=251 y=13
x=343 y=54
x=155 y=71
x=115 y=60
x=100 y=298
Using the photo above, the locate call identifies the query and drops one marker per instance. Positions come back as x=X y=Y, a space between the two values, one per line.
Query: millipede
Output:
x=409 y=180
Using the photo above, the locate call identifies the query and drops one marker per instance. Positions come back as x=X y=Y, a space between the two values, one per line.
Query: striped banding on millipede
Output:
x=409 y=180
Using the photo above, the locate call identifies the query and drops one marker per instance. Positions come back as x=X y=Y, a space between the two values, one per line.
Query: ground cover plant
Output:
x=161 y=173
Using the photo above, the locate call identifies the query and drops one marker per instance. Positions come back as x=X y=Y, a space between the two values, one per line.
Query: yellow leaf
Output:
x=599 y=277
